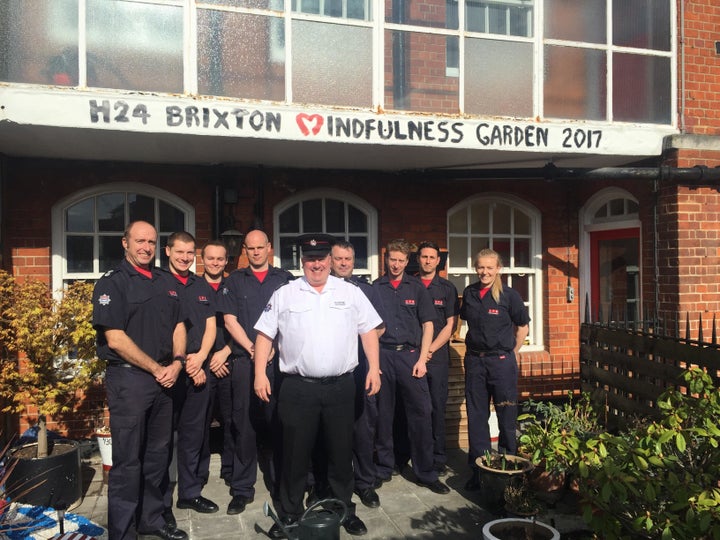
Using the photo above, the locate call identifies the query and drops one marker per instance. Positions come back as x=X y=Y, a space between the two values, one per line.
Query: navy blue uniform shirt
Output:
x=404 y=310
x=147 y=310
x=222 y=336
x=246 y=297
x=491 y=326
x=196 y=297
x=445 y=301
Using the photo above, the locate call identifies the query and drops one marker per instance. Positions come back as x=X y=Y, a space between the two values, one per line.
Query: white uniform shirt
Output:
x=317 y=332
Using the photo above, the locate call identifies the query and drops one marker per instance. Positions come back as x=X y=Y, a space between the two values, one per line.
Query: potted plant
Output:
x=47 y=359
x=520 y=500
x=658 y=479
x=551 y=436
x=495 y=473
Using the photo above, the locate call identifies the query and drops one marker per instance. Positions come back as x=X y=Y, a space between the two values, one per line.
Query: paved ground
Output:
x=406 y=511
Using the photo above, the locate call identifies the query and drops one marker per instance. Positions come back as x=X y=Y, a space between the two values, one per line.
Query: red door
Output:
x=615 y=275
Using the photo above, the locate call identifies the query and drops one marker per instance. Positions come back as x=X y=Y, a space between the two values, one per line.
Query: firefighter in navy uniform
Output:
x=141 y=334
x=244 y=296
x=214 y=258
x=497 y=327
x=447 y=306
x=191 y=393
x=406 y=308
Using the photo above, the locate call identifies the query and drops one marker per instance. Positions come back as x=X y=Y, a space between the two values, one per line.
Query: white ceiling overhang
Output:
x=101 y=125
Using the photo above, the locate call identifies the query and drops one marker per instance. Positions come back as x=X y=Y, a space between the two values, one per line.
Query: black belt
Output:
x=483 y=354
x=319 y=380
x=390 y=347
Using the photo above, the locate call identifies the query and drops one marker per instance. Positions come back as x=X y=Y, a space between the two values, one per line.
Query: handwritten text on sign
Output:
x=335 y=127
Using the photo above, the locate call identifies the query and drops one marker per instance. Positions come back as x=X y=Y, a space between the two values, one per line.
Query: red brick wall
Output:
x=702 y=67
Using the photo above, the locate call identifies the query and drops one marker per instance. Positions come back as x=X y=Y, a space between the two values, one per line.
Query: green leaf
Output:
x=680 y=442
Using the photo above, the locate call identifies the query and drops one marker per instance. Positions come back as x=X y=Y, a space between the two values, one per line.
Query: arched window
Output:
x=329 y=211
x=610 y=266
x=88 y=227
x=512 y=228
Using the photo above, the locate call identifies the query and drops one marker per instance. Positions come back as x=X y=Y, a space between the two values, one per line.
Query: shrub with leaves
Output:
x=48 y=346
x=659 y=480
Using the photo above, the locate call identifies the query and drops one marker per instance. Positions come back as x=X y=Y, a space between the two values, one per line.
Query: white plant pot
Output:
x=105 y=444
x=529 y=529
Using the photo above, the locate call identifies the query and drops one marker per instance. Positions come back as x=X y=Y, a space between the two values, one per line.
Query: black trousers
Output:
x=305 y=408
x=221 y=408
x=366 y=415
x=491 y=377
x=141 y=425
x=437 y=376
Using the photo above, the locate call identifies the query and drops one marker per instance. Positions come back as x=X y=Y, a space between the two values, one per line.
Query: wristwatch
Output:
x=181 y=358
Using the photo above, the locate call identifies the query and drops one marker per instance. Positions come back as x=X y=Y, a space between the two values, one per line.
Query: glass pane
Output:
x=522 y=251
x=618 y=260
x=312 y=216
x=499 y=18
x=111 y=212
x=458 y=255
x=252 y=4
x=334 y=216
x=417 y=78
x=111 y=252
x=502 y=246
x=476 y=244
x=171 y=219
x=38 y=43
x=641 y=89
x=241 y=55
x=633 y=207
x=457 y=222
x=290 y=220
x=480 y=218
x=434 y=14
x=498 y=77
x=522 y=222
x=141 y=207
x=501 y=219
x=289 y=256
x=162 y=242
x=602 y=212
x=357 y=220
x=642 y=23
x=361 y=250
x=576 y=20
x=521 y=283
x=79 y=253
x=135 y=46
x=617 y=207
x=80 y=217
x=359 y=9
x=332 y=64
x=574 y=83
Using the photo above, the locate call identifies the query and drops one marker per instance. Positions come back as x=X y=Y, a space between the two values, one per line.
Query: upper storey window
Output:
x=591 y=60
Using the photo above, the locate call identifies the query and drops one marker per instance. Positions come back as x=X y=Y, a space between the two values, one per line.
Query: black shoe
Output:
x=277 y=532
x=436 y=487
x=238 y=504
x=377 y=484
x=473 y=483
x=442 y=470
x=368 y=497
x=199 y=504
x=354 y=525
x=169 y=518
x=167 y=533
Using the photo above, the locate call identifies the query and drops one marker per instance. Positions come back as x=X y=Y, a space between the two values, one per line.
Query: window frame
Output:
x=535 y=302
x=58 y=213
x=372 y=270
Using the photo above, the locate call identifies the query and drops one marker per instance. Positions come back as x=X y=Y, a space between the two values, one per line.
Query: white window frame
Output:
x=535 y=303
x=59 y=274
x=343 y=196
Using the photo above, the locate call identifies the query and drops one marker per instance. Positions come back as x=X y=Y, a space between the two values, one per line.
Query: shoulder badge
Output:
x=108 y=273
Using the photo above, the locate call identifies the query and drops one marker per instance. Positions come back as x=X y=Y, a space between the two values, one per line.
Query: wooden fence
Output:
x=626 y=366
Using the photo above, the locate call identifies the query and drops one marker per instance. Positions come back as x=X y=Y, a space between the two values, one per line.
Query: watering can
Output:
x=322 y=524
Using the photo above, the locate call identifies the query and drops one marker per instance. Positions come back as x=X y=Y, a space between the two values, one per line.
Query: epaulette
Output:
x=108 y=273
x=281 y=286
x=351 y=281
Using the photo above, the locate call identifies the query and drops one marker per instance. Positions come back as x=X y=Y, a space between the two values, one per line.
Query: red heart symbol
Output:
x=309 y=122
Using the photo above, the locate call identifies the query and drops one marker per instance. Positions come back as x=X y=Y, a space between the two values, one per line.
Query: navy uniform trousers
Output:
x=437 y=375
x=140 y=412
x=396 y=367
x=221 y=408
x=492 y=376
